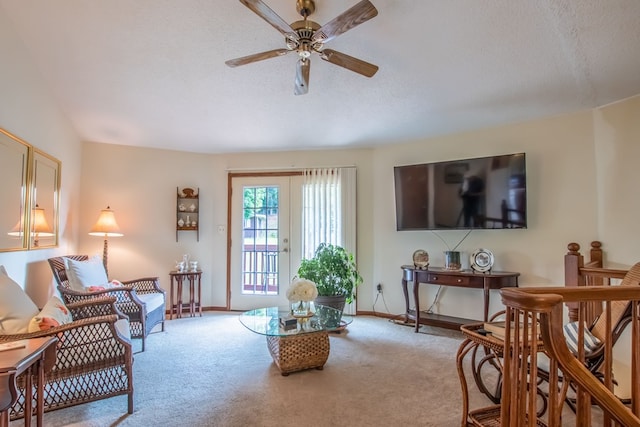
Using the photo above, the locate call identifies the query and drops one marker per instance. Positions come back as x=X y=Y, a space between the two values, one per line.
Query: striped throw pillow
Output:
x=591 y=343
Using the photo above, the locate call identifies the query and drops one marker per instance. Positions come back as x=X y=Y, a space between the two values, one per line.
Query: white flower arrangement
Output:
x=302 y=290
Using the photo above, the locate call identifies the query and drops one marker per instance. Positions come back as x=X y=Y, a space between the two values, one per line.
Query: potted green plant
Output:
x=335 y=273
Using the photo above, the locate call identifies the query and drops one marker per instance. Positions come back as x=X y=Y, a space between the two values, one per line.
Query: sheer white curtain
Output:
x=320 y=205
x=329 y=211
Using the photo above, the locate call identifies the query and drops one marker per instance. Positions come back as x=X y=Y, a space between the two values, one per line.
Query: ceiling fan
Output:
x=305 y=37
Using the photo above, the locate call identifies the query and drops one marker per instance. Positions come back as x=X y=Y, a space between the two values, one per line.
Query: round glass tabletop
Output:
x=278 y=321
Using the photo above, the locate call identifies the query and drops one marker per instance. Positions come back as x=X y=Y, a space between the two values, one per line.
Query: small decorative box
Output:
x=288 y=323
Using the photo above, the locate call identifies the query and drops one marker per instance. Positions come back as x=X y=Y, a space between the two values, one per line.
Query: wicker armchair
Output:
x=133 y=299
x=94 y=358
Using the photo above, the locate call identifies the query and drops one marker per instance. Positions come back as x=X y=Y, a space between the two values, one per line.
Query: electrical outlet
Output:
x=379 y=287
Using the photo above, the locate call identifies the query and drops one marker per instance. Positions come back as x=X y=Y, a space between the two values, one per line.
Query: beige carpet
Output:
x=212 y=371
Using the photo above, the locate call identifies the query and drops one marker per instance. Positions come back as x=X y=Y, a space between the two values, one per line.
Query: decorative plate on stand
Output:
x=481 y=260
x=421 y=259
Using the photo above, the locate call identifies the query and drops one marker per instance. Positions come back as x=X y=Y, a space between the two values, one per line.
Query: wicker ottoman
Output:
x=298 y=352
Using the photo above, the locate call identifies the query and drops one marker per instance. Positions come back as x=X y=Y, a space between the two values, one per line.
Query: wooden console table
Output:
x=459 y=278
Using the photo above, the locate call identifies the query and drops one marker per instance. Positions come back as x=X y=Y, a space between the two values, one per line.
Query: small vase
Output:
x=452 y=260
x=300 y=308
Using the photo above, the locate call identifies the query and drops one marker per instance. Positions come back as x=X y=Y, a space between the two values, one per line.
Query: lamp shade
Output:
x=39 y=223
x=106 y=225
x=18 y=229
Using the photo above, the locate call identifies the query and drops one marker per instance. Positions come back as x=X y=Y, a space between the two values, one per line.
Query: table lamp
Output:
x=39 y=226
x=108 y=227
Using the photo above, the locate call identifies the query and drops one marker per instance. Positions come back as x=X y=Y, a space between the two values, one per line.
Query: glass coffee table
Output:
x=298 y=343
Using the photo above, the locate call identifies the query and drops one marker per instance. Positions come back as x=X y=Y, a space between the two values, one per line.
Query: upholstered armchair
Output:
x=141 y=300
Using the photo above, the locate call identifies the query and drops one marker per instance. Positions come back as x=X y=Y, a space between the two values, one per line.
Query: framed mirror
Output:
x=45 y=190
x=29 y=195
x=14 y=157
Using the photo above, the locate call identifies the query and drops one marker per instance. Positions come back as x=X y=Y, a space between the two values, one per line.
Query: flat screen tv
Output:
x=478 y=193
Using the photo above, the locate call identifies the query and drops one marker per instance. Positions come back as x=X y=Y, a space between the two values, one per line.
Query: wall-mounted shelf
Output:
x=187 y=211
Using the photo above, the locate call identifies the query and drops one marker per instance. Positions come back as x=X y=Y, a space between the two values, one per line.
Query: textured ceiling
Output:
x=152 y=73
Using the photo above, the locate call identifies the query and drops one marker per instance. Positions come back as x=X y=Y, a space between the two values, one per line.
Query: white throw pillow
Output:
x=54 y=313
x=83 y=275
x=16 y=308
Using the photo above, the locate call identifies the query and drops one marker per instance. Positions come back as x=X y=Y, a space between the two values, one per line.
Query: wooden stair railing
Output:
x=540 y=311
x=578 y=272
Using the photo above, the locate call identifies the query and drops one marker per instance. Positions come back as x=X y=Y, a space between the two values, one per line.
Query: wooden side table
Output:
x=32 y=356
x=194 y=279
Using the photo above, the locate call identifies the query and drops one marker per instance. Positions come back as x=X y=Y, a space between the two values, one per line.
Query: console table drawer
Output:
x=454 y=280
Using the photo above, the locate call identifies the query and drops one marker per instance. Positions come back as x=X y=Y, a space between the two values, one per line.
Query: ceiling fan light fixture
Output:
x=305 y=36
x=304 y=31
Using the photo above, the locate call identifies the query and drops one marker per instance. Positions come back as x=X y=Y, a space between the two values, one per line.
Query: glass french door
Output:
x=260 y=242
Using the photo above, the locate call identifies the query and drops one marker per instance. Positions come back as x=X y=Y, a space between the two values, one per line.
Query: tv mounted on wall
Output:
x=478 y=193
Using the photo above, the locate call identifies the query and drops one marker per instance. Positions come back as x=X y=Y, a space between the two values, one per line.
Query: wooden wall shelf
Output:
x=188 y=211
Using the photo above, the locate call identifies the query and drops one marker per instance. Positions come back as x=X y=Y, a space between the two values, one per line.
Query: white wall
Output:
x=560 y=166
x=617 y=151
x=140 y=185
x=561 y=172
x=30 y=112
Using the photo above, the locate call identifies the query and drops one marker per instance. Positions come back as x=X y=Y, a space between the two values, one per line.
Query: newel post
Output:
x=573 y=262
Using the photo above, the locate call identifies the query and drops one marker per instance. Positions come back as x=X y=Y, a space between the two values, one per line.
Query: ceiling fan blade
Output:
x=302 y=76
x=349 y=19
x=265 y=12
x=256 y=57
x=349 y=62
